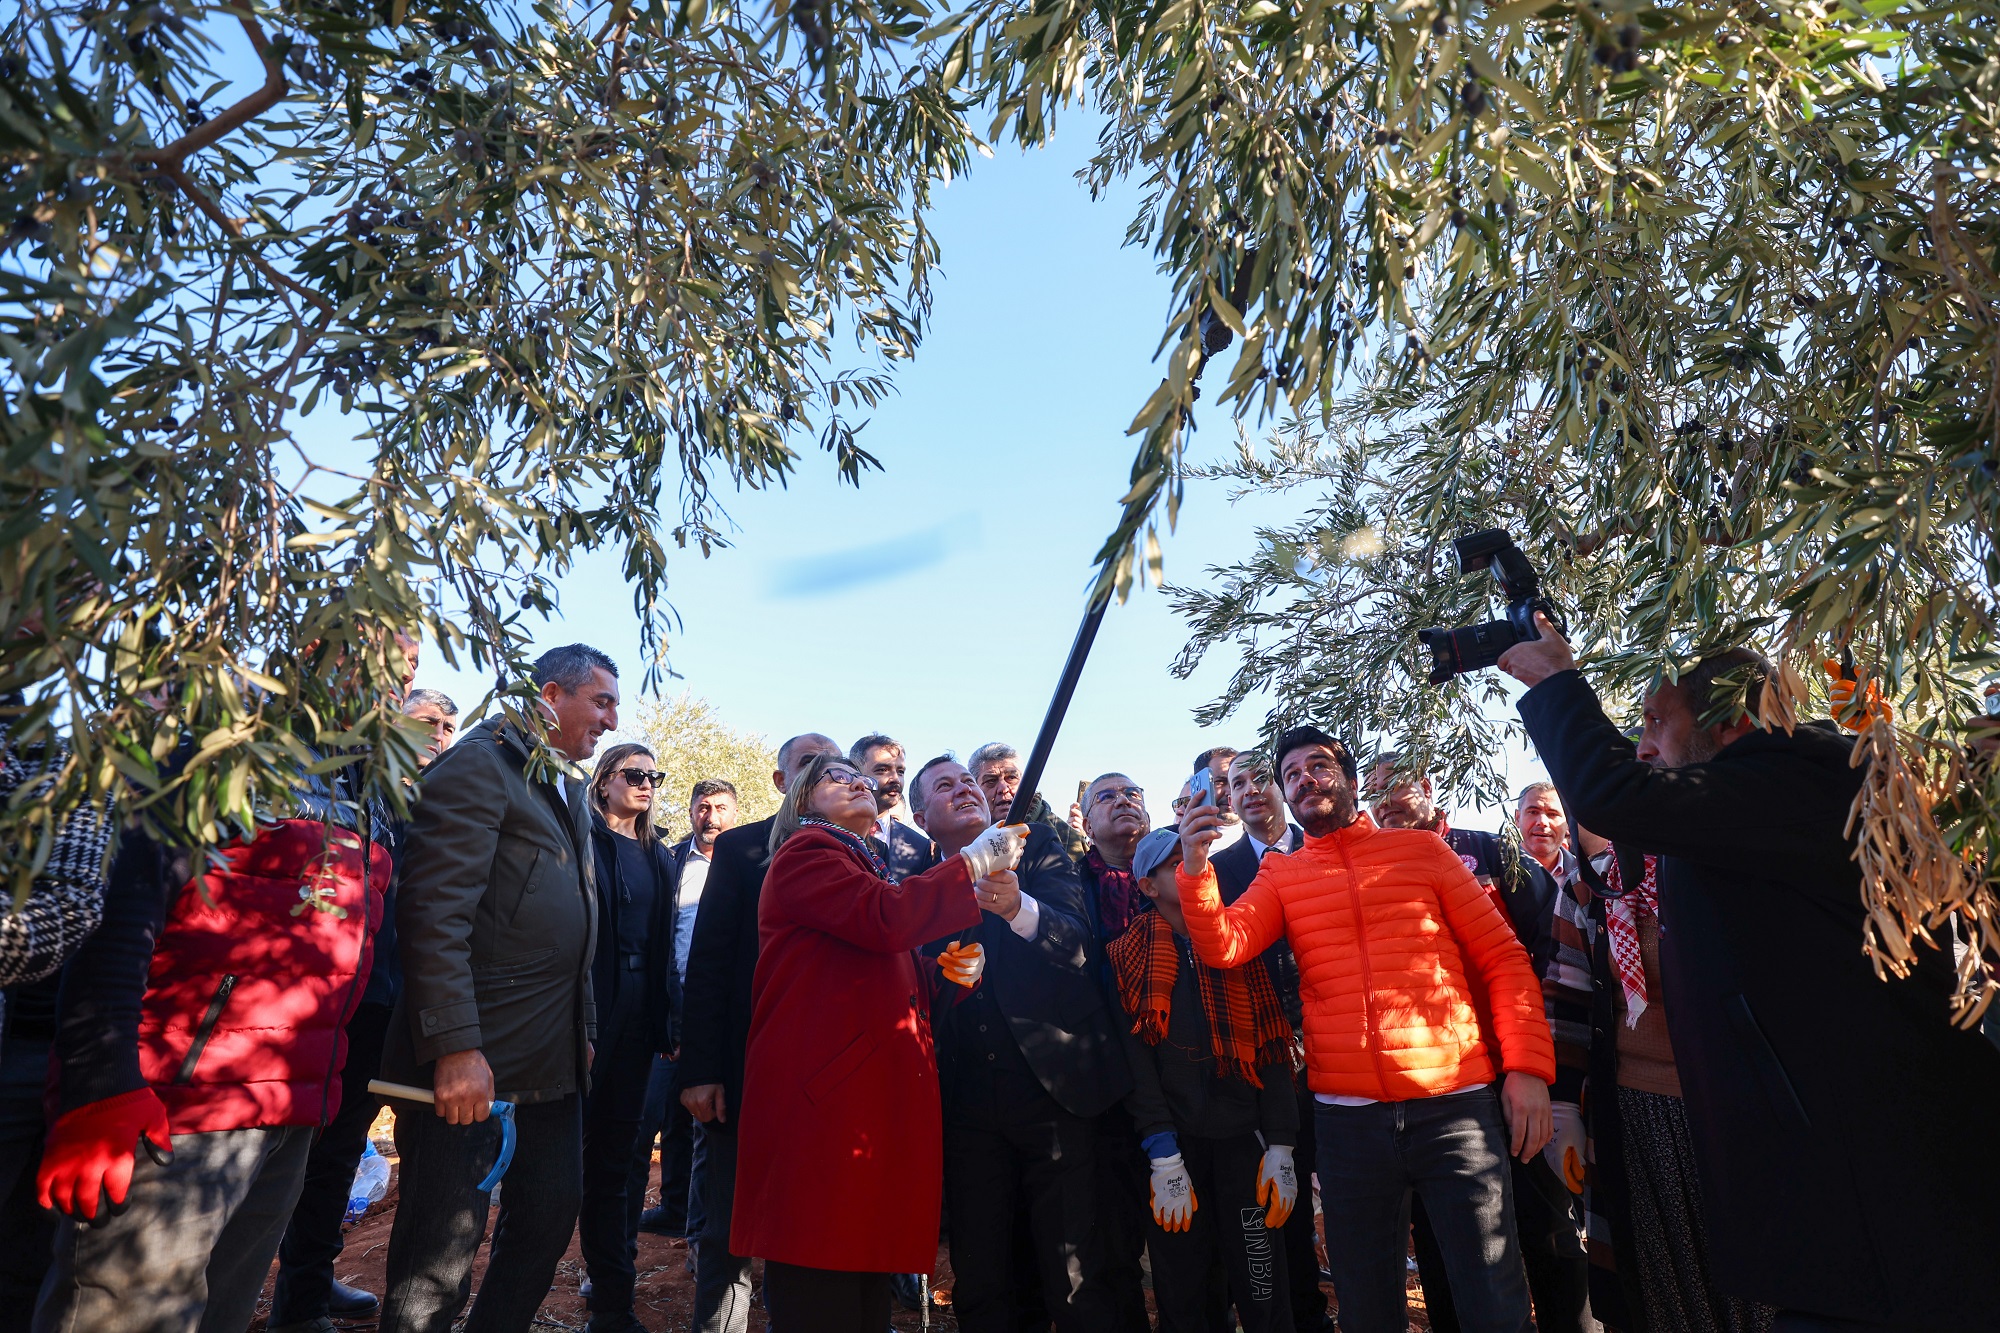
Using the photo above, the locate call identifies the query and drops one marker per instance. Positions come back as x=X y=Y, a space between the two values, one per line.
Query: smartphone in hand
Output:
x=1201 y=789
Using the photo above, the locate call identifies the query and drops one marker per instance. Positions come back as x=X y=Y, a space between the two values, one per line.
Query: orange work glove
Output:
x=1277 y=1185
x=1855 y=718
x=1173 y=1194
x=90 y=1153
x=962 y=963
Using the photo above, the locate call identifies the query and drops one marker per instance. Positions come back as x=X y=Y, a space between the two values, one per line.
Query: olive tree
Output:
x=327 y=322
x=1698 y=300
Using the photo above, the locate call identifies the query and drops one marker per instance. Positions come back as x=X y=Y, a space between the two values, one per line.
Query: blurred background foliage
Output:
x=690 y=742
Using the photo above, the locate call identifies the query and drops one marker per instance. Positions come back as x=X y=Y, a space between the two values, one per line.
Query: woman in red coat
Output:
x=839 y=1171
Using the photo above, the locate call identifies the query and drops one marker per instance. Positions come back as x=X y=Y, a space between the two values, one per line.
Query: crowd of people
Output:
x=1623 y=1067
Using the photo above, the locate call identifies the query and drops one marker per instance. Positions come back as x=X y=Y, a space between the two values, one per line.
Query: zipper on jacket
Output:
x=207 y=1028
x=1371 y=1034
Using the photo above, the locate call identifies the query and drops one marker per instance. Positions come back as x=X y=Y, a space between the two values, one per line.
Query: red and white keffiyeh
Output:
x=1621 y=920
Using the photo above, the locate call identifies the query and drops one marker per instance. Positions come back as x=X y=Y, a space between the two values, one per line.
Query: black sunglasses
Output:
x=651 y=777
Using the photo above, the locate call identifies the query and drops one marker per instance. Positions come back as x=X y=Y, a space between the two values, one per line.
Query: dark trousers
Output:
x=313 y=1238
x=1124 y=1211
x=1452 y=1152
x=27 y=1230
x=191 y=1249
x=1047 y=1169
x=1546 y=1217
x=441 y=1217
x=1301 y=1233
x=721 y=1279
x=608 y=1223
x=1438 y=1308
x=1549 y=1221
x=1227 y=1227
x=666 y=1121
x=820 y=1300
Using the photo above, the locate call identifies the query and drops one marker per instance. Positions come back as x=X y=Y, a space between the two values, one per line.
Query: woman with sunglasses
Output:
x=839 y=1172
x=638 y=1014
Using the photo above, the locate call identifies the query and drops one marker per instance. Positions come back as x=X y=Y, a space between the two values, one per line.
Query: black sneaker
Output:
x=622 y=1322
x=655 y=1222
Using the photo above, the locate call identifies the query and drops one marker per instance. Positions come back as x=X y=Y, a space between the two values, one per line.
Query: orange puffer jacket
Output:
x=1400 y=953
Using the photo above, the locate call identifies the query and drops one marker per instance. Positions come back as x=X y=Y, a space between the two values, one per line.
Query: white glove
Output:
x=1173 y=1194
x=1277 y=1185
x=1565 y=1150
x=962 y=963
x=997 y=849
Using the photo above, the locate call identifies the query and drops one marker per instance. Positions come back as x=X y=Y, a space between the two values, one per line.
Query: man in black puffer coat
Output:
x=1843 y=1128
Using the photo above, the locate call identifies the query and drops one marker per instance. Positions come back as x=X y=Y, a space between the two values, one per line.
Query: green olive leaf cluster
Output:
x=1698 y=300
x=325 y=320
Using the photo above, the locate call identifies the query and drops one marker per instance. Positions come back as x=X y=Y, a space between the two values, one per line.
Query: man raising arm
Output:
x=1401 y=1063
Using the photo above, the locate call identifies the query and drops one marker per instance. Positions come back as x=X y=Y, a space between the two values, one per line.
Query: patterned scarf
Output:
x=1117 y=896
x=855 y=843
x=1246 y=1026
x=1621 y=921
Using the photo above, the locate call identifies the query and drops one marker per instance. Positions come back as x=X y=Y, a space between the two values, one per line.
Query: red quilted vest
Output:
x=251 y=986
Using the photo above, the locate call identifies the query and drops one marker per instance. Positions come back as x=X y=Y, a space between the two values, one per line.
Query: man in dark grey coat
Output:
x=496 y=923
x=1027 y=1060
x=1842 y=1127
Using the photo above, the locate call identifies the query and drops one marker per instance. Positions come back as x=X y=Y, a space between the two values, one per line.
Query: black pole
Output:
x=1038 y=758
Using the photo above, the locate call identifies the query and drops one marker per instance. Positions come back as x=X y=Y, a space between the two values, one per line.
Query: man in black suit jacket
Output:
x=1842 y=1126
x=715 y=1032
x=1027 y=1058
x=1260 y=802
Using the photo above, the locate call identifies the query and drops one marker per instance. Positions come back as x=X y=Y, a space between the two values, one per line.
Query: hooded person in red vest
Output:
x=200 y=1038
x=839 y=1174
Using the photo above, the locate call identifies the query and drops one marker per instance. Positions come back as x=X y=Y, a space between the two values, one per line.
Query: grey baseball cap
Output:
x=1154 y=849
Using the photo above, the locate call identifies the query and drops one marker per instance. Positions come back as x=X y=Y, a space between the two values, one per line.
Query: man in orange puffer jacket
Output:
x=1426 y=1044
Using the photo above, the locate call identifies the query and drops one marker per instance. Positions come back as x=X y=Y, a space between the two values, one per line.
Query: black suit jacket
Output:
x=1046 y=986
x=722 y=960
x=1843 y=1129
x=1235 y=866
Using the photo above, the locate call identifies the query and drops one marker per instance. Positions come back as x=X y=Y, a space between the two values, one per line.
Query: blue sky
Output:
x=938 y=600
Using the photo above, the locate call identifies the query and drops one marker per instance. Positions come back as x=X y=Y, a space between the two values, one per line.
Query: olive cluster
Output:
x=1618 y=50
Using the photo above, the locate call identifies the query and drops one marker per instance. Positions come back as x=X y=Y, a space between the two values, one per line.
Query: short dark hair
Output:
x=1293 y=738
x=916 y=788
x=1207 y=757
x=1535 y=789
x=570 y=666
x=710 y=787
x=857 y=754
x=1719 y=684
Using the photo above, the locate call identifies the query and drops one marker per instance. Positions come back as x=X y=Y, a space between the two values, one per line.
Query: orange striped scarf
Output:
x=1246 y=1026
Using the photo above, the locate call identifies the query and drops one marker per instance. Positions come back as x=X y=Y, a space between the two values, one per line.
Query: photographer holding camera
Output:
x=1841 y=1124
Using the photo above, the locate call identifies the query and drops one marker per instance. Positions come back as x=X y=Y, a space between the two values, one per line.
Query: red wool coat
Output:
x=841 y=1139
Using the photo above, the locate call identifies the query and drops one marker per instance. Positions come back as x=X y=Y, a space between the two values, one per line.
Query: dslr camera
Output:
x=1473 y=647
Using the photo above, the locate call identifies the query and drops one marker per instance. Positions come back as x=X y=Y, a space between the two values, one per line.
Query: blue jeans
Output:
x=1451 y=1151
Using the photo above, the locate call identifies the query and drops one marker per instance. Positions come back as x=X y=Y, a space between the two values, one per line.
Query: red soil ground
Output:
x=666 y=1291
